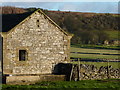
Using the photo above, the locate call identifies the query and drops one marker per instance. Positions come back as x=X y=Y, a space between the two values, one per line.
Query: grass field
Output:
x=89 y=46
x=94 y=51
x=99 y=55
x=113 y=34
x=62 y=85
x=93 y=56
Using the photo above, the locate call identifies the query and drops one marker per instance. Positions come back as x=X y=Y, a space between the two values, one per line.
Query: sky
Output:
x=59 y=0
x=106 y=6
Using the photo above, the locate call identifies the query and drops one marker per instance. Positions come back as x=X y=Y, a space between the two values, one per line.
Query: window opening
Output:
x=22 y=55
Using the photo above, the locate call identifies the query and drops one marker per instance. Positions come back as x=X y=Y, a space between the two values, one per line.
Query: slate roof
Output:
x=11 y=20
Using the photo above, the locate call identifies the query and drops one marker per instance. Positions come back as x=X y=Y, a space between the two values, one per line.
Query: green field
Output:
x=89 y=46
x=99 y=55
x=94 y=55
x=113 y=34
x=62 y=85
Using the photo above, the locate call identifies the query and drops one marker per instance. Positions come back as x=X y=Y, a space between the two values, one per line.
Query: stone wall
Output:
x=79 y=72
x=88 y=72
x=27 y=79
x=45 y=43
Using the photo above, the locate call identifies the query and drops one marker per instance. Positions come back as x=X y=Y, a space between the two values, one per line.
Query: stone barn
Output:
x=33 y=44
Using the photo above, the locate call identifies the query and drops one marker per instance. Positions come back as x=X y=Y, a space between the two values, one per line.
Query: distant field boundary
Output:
x=94 y=53
x=97 y=47
x=94 y=60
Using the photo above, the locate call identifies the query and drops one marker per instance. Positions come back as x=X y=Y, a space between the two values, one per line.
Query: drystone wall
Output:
x=45 y=43
x=88 y=72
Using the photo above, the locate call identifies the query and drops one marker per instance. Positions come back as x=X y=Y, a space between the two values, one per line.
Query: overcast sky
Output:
x=110 y=6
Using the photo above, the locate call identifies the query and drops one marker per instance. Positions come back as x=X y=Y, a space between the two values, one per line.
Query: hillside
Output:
x=88 y=28
x=11 y=10
x=86 y=21
x=98 y=27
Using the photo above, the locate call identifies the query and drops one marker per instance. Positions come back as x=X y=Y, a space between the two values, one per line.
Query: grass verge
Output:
x=111 y=83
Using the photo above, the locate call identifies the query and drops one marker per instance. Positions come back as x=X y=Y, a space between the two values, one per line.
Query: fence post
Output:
x=71 y=72
x=78 y=69
x=108 y=69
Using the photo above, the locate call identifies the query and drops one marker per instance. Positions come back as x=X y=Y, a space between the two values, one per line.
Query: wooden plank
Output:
x=71 y=72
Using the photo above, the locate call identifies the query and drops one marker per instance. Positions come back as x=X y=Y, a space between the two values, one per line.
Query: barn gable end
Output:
x=39 y=41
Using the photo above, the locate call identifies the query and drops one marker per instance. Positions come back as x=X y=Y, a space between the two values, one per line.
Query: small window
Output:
x=22 y=55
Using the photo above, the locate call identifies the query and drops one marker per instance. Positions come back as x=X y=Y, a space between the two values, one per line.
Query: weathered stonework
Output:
x=26 y=80
x=88 y=72
x=46 y=45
